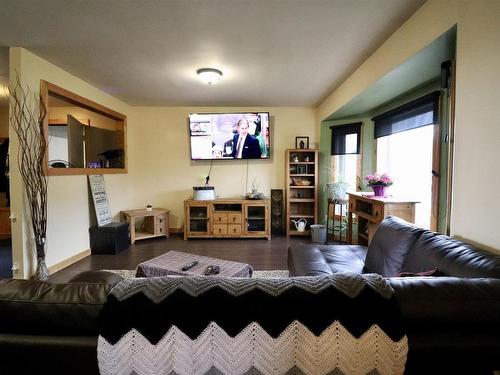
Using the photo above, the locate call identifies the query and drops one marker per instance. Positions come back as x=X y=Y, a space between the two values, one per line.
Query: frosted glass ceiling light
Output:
x=209 y=75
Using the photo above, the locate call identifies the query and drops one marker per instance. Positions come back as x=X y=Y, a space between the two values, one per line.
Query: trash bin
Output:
x=318 y=233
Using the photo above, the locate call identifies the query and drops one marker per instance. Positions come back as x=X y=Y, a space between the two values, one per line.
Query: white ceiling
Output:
x=146 y=52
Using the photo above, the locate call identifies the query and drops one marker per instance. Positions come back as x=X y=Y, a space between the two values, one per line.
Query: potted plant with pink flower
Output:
x=379 y=183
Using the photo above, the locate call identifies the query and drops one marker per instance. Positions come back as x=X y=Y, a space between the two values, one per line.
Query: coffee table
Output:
x=171 y=263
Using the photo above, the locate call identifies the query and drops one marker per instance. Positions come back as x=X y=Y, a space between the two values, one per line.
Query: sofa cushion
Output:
x=451 y=257
x=30 y=307
x=99 y=277
x=320 y=260
x=389 y=246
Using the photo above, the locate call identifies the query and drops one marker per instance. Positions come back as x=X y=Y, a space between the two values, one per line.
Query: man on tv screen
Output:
x=247 y=146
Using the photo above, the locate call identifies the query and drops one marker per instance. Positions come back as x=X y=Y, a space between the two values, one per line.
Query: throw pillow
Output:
x=389 y=246
x=433 y=272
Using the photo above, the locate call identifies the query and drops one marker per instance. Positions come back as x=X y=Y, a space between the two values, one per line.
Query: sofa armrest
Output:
x=451 y=322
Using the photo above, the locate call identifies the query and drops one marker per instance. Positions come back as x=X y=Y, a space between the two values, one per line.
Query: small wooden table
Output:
x=371 y=210
x=155 y=223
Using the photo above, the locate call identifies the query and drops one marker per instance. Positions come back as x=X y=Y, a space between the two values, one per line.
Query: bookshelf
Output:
x=301 y=189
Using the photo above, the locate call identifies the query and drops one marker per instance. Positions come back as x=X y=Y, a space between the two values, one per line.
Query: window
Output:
x=407 y=149
x=346 y=155
x=82 y=135
x=407 y=157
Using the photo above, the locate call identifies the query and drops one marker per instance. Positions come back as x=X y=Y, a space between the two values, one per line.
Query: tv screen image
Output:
x=243 y=135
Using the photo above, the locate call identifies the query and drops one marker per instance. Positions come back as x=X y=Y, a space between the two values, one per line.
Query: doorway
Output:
x=5 y=229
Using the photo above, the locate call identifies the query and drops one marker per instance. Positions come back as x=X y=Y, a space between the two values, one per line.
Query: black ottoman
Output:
x=109 y=239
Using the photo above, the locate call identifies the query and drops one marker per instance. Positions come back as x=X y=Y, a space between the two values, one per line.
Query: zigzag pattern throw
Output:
x=342 y=324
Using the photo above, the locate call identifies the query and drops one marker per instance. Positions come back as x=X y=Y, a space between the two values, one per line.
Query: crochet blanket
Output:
x=342 y=324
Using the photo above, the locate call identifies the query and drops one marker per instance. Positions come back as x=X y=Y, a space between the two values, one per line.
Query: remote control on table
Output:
x=216 y=270
x=210 y=270
x=190 y=265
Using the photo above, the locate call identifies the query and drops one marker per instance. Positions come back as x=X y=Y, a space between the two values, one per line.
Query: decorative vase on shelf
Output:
x=379 y=190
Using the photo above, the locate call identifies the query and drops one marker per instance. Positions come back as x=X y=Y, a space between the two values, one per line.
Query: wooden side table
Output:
x=371 y=210
x=155 y=223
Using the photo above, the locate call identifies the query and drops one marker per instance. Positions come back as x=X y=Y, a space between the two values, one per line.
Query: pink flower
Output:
x=378 y=179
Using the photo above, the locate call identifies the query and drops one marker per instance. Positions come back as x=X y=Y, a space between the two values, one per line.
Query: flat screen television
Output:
x=218 y=136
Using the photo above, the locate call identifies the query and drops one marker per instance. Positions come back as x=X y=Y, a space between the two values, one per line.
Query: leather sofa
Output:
x=50 y=328
x=452 y=323
x=452 y=317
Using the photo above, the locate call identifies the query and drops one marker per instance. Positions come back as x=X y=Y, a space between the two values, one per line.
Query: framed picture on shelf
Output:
x=301 y=143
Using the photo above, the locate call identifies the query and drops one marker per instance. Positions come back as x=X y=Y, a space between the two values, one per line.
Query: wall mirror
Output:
x=83 y=137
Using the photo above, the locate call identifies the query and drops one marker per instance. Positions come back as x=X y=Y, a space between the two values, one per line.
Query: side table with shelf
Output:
x=371 y=210
x=155 y=223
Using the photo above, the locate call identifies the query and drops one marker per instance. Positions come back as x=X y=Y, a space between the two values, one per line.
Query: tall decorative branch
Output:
x=26 y=118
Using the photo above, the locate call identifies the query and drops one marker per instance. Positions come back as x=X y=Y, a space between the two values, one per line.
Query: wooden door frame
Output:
x=436 y=173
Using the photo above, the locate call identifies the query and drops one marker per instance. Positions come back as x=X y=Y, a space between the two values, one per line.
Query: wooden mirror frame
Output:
x=47 y=88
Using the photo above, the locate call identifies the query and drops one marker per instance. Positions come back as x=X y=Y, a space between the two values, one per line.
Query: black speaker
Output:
x=445 y=74
x=276 y=211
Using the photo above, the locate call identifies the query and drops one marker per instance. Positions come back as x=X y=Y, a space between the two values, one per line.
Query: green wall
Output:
x=368 y=146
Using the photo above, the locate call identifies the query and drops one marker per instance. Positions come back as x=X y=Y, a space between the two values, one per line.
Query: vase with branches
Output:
x=27 y=114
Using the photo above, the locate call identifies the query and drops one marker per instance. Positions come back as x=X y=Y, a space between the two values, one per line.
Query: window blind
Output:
x=415 y=114
x=346 y=139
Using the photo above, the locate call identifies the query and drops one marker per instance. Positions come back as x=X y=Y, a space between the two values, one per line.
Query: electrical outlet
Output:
x=15 y=267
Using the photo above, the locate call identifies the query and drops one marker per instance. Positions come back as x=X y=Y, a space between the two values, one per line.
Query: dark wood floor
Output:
x=261 y=254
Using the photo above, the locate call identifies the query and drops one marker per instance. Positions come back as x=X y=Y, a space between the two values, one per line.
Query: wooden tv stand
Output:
x=227 y=218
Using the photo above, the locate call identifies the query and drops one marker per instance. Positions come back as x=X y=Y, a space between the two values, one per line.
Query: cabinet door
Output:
x=256 y=222
x=197 y=219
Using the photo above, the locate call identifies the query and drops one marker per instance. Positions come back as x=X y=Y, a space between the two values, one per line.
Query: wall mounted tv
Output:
x=218 y=136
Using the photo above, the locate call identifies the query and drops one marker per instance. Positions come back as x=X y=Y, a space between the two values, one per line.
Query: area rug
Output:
x=127 y=274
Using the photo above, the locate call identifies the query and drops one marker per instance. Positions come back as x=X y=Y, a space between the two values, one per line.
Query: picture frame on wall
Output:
x=301 y=142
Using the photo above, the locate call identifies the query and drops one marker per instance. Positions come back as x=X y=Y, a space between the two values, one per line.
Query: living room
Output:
x=159 y=170
x=289 y=122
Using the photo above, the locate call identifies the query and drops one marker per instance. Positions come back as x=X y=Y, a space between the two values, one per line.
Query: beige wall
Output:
x=4 y=122
x=68 y=204
x=477 y=139
x=160 y=170
x=162 y=174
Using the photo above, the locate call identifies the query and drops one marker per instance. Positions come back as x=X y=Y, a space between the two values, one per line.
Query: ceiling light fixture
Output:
x=209 y=75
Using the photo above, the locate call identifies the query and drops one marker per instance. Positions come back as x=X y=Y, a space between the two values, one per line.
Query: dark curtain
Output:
x=415 y=114
x=339 y=134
